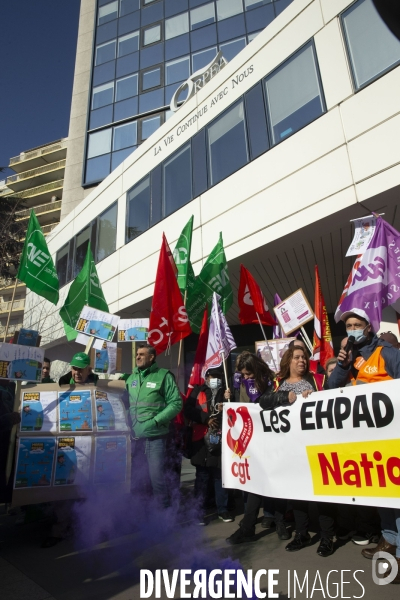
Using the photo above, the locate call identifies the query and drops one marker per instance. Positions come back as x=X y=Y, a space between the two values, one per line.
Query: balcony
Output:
x=11 y=329
x=46 y=211
x=46 y=229
x=40 y=175
x=39 y=156
x=41 y=193
x=17 y=305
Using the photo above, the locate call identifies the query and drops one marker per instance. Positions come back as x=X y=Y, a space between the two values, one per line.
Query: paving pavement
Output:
x=109 y=568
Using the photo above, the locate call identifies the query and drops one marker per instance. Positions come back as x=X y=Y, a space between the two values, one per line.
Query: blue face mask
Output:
x=358 y=334
x=215 y=383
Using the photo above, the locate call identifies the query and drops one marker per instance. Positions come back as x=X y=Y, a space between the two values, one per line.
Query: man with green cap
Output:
x=154 y=400
x=80 y=372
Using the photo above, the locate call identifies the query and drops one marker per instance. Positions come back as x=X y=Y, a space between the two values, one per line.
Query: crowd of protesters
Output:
x=155 y=401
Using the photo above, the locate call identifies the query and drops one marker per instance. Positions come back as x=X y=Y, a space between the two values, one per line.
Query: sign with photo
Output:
x=133 y=330
x=272 y=352
x=23 y=363
x=294 y=312
x=97 y=323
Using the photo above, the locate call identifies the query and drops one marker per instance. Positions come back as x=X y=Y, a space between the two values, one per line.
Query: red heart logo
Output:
x=239 y=446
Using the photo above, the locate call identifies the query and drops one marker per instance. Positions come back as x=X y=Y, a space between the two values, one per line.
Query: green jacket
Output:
x=154 y=400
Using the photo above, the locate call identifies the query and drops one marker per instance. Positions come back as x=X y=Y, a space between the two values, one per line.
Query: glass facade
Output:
x=143 y=51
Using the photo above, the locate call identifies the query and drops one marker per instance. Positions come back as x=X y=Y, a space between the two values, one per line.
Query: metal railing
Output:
x=39 y=152
x=38 y=210
x=16 y=305
x=35 y=172
x=11 y=329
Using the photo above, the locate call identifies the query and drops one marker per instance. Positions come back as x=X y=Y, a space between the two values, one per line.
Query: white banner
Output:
x=340 y=446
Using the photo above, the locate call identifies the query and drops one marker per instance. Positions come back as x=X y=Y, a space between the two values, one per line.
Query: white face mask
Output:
x=215 y=383
x=358 y=334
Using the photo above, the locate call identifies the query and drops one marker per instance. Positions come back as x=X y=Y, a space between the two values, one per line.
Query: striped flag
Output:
x=220 y=339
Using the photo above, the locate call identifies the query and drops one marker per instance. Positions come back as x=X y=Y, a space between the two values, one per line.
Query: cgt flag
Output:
x=322 y=346
x=376 y=282
x=182 y=255
x=220 y=339
x=169 y=322
x=84 y=291
x=346 y=288
x=214 y=277
x=251 y=301
x=36 y=268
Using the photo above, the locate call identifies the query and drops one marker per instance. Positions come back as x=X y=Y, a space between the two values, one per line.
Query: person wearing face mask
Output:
x=371 y=359
x=204 y=409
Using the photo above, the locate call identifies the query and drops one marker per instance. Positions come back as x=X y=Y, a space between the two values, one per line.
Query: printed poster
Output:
x=293 y=312
x=21 y=362
x=39 y=411
x=272 y=352
x=75 y=411
x=28 y=337
x=105 y=357
x=35 y=459
x=72 y=465
x=133 y=330
x=364 y=230
x=97 y=323
x=111 y=459
x=110 y=412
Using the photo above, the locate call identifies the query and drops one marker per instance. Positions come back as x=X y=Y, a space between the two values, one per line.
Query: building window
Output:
x=251 y=36
x=249 y=4
x=230 y=49
x=108 y=12
x=103 y=95
x=107 y=233
x=228 y=8
x=97 y=168
x=105 y=52
x=99 y=143
x=125 y=136
x=62 y=265
x=152 y=35
x=149 y=126
x=227 y=144
x=372 y=47
x=294 y=96
x=128 y=6
x=138 y=209
x=203 y=15
x=151 y=79
x=177 y=179
x=203 y=58
x=177 y=70
x=126 y=87
x=128 y=44
x=81 y=246
x=176 y=26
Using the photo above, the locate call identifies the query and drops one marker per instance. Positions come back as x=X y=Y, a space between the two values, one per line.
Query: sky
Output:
x=37 y=59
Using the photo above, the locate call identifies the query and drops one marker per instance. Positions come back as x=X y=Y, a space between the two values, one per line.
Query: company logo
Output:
x=37 y=257
x=242 y=428
x=384 y=568
x=198 y=80
x=357 y=469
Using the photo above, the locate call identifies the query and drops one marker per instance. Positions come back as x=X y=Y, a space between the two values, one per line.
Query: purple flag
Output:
x=376 y=282
x=220 y=339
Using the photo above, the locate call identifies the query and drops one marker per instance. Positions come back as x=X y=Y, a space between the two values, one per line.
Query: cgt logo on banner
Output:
x=337 y=446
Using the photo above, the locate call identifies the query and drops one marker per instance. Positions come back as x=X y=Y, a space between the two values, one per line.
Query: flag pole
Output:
x=181 y=342
x=10 y=311
x=306 y=339
x=266 y=341
x=225 y=373
x=13 y=433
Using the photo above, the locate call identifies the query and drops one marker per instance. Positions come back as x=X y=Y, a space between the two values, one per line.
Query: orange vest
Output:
x=199 y=430
x=371 y=370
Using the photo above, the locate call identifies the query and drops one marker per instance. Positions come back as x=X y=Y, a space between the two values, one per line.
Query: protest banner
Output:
x=133 y=330
x=339 y=446
x=21 y=363
x=70 y=438
x=97 y=323
x=293 y=312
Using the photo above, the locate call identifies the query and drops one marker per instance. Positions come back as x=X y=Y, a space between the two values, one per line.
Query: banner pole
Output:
x=225 y=373
x=306 y=340
x=10 y=311
x=181 y=343
x=13 y=433
x=265 y=338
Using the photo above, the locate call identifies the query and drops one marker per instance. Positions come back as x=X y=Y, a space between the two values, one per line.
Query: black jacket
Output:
x=270 y=400
x=199 y=453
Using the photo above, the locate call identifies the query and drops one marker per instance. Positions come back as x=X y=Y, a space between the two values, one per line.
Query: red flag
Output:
x=251 y=301
x=322 y=347
x=171 y=257
x=169 y=322
x=200 y=356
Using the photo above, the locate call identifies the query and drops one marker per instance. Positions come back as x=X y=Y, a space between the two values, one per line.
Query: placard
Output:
x=27 y=337
x=110 y=464
x=39 y=411
x=72 y=464
x=293 y=312
x=272 y=352
x=35 y=460
x=110 y=412
x=21 y=362
x=105 y=357
x=133 y=330
x=364 y=230
x=97 y=323
x=75 y=411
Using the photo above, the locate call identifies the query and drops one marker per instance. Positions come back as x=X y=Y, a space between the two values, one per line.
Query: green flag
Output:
x=182 y=255
x=36 y=268
x=85 y=290
x=214 y=277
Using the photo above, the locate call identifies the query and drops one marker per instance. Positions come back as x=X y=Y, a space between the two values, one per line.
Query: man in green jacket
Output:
x=154 y=400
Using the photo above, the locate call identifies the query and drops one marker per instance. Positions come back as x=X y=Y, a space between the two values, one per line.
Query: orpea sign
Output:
x=198 y=80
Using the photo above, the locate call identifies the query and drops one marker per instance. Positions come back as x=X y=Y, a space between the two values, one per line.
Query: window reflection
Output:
x=138 y=209
x=105 y=52
x=107 y=233
x=177 y=178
